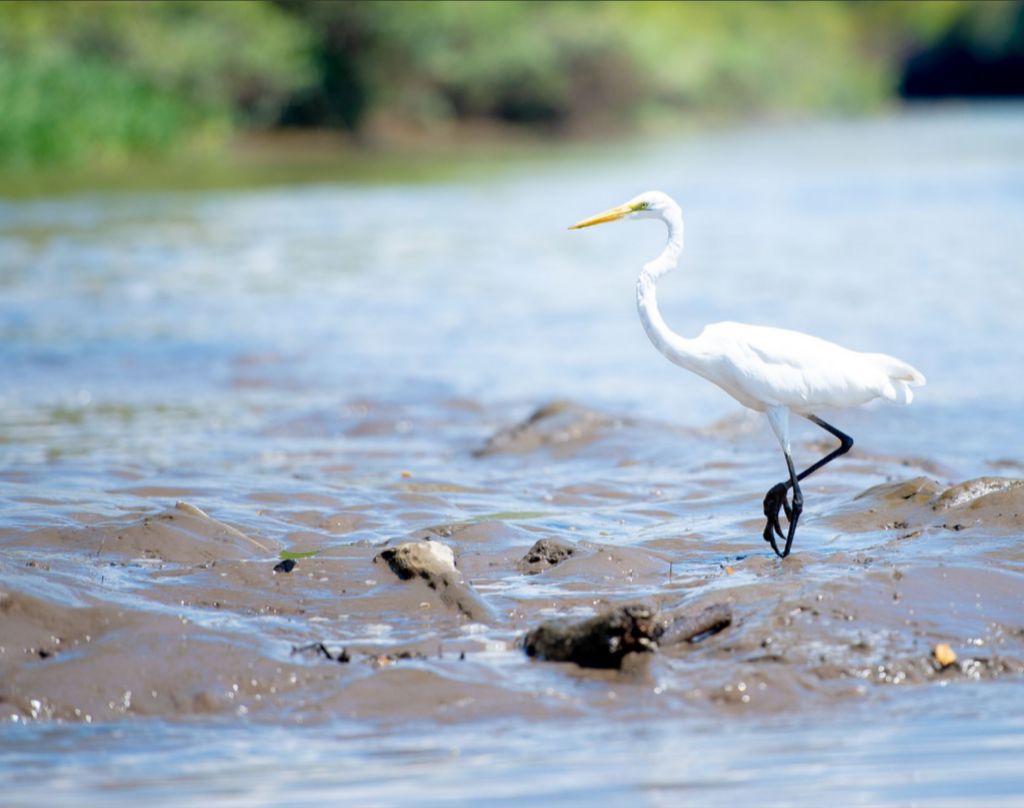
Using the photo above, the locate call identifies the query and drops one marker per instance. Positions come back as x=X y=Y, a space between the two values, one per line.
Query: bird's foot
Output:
x=769 y=536
x=774 y=502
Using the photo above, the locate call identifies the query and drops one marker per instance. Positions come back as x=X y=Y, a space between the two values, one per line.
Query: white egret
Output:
x=769 y=370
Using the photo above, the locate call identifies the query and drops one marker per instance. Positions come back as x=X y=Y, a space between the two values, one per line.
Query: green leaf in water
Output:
x=510 y=516
x=288 y=554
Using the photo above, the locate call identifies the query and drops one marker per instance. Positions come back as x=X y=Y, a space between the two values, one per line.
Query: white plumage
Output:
x=770 y=370
x=764 y=367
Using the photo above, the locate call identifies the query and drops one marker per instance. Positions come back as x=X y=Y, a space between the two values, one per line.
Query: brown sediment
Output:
x=183 y=534
x=990 y=503
x=684 y=625
x=560 y=425
x=35 y=629
x=100 y=613
x=478 y=531
x=101 y=663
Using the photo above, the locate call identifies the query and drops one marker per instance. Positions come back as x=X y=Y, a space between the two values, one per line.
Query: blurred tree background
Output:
x=95 y=82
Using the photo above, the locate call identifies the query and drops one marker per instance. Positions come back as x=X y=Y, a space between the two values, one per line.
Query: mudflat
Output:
x=167 y=610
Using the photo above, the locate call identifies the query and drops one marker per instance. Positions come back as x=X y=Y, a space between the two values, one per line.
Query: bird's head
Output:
x=648 y=205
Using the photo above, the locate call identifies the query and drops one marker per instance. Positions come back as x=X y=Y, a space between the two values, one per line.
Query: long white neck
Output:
x=682 y=351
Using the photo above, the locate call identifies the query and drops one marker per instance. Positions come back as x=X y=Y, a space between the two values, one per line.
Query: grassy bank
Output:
x=100 y=88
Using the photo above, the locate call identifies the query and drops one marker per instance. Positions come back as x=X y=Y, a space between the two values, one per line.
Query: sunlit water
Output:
x=252 y=351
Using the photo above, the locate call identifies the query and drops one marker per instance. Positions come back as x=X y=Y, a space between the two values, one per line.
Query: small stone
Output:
x=944 y=655
x=544 y=554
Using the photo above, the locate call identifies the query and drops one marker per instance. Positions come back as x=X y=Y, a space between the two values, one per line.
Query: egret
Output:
x=769 y=370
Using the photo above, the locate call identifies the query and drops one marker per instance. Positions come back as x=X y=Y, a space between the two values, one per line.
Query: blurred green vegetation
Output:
x=94 y=82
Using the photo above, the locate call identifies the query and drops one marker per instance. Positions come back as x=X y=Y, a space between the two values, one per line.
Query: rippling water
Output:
x=315 y=366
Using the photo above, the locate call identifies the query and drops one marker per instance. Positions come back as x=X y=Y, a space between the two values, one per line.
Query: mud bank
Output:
x=177 y=612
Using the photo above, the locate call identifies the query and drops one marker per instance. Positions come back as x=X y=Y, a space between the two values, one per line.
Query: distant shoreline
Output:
x=384 y=154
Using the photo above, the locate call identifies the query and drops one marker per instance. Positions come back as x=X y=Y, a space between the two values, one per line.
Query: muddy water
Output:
x=198 y=387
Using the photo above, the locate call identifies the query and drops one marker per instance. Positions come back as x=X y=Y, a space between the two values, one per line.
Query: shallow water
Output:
x=317 y=369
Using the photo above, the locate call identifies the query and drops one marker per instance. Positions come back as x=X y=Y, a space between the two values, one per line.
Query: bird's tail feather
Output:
x=898 y=370
x=901 y=393
x=902 y=377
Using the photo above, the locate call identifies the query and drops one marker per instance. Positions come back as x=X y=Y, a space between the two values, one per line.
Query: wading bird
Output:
x=769 y=370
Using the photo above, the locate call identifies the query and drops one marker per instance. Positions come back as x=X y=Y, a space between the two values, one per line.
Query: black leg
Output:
x=797 y=509
x=775 y=499
x=845 y=444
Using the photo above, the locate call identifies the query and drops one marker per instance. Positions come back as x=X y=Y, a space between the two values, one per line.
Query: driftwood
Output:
x=603 y=641
x=680 y=626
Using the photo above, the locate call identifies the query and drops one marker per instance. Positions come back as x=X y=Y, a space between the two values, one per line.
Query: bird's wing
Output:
x=776 y=367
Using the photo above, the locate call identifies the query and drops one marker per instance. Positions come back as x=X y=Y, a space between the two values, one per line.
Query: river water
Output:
x=318 y=370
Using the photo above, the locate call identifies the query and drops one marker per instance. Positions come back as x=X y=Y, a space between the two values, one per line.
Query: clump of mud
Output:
x=990 y=503
x=183 y=534
x=560 y=424
x=434 y=563
x=544 y=554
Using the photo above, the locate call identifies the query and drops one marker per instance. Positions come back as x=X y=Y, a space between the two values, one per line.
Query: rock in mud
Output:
x=545 y=554
x=560 y=423
x=434 y=563
x=604 y=641
x=600 y=642
x=944 y=655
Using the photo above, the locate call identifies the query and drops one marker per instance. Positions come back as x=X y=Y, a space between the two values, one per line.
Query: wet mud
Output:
x=363 y=588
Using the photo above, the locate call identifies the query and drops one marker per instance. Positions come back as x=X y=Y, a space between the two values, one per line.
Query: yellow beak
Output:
x=608 y=216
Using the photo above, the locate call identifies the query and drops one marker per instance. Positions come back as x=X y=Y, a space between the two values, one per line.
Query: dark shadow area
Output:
x=981 y=56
